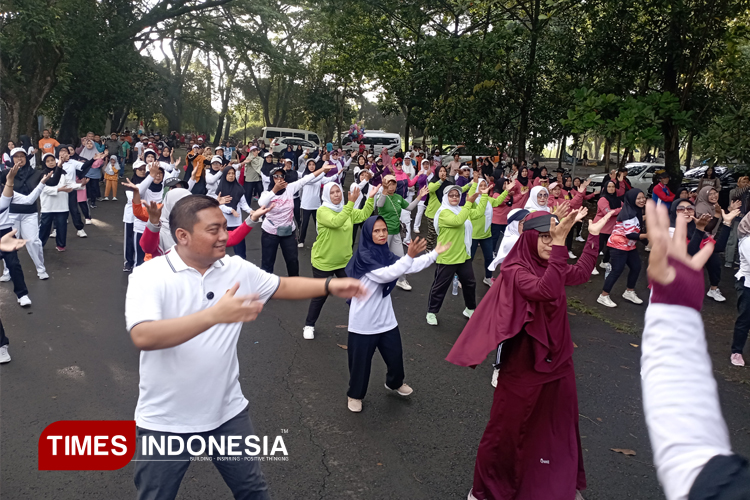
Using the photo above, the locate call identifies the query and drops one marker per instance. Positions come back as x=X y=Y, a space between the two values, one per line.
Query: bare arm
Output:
x=296 y=288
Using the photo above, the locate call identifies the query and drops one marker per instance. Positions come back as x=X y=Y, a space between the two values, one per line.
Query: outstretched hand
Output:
x=354 y=193
x=662 y=246
x=346 y=288
x=559 y=230
x=261 y=211
x=154 y=212
x=596 y=227
x=233 y=308
x=9 y=243
x=416 y=247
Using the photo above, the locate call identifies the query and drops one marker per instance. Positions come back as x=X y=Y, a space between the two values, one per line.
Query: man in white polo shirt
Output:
x=185 y=310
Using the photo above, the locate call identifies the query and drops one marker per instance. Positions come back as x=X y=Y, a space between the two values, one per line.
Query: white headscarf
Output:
x=87 y=153
x=487 y=209
x=446 y=205
x=170 y=200
x=510 y=236
x=531 y=204
x=327 y=197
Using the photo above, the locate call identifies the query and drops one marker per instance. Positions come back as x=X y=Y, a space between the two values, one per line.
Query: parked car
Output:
x=377 y=140
x=270 y=133
x=279 y=144
x=728 y=176
x=640 y=175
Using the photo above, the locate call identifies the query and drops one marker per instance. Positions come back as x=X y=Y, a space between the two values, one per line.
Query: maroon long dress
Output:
x=531 y=448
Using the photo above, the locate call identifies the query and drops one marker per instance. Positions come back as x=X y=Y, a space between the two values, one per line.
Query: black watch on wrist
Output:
x=328 y=280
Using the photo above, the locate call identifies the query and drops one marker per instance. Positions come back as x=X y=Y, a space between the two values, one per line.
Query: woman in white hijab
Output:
x=510 y=236
x=537 y=199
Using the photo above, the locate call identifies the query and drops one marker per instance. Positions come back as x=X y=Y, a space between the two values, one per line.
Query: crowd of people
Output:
x=182 y=216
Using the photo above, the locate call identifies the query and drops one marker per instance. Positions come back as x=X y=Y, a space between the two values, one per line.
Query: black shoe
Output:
x=127 y=269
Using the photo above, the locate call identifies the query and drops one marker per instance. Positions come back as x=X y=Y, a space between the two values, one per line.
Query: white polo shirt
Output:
x=192 y=387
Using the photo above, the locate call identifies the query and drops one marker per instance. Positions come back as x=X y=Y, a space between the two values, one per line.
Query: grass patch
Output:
x=621 y=327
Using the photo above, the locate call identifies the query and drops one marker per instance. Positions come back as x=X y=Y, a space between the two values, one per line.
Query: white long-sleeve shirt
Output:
x=232 y=220
x=212 y=182
x=744 y=249
x=311 y=192
x=17 y=199
x=53 y=200
x=374 y=314
x=680 y=398
x=146 y=195
x=283 y=210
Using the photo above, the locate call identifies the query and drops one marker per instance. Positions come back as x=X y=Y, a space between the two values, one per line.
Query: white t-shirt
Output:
x=192 y=387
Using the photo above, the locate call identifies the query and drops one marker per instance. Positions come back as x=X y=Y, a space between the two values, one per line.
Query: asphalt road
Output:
x=73 y=359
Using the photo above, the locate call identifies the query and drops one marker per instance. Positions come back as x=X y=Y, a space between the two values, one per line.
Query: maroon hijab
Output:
x=503 y=312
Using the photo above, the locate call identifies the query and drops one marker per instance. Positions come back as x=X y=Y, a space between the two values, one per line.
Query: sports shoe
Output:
x=580 y=238
x=43 y=276
x=81 y=233
x=603 y=265
x=5 y=278
x=595 y=272
x=578 y=495
x=4 y=356
x=300 y=245
x=403 y=284
x=404 y=390
x=487 y=281
x=431 y=319
x=632 y=297
x=308 y=332
x=471 y=496
x=416 y=230
x=53 y=233
x=571 y=255
x=648 y=249
x=468 y=312
x=127 y=269
x=407 y=243
x=495 y=373
x=355 y=405
x=60 y=249
x=728 y=265
x=736 y=359
x=24 y=301
x=106 y=198
x=715 y=294
x=88 y=222
x=114 y=199
x=605 y=300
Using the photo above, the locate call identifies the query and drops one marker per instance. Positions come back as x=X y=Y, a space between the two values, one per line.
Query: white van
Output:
x=270 y=133
x=376 y=140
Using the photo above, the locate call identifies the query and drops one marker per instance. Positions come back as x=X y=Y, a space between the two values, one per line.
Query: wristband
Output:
x=328 y=280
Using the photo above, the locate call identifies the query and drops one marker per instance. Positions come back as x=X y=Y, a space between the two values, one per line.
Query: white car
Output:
x=377 y=140
x=640 y=175
x=279 y=144
x=464 y=155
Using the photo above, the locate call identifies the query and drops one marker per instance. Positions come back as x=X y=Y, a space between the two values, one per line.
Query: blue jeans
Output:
x=158 y=479
x=486 y=245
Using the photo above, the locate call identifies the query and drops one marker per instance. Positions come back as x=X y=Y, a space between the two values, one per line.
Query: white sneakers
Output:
x=355 y=405
x=4 y=356
x=431 y=319
x=736 y=359
x=43 y=276
x=5 y=278
x=632 y=297
x=495 y=373
x=416 y=230
x=487 y=281
x=114 y=199
x=106 y=198
x=571 y=255
x=308 y=332
x=404 y=390
x=468 y=312
x=88 y=222
x=715 y=294
x=300 y=245
x=595 y=272
x=24 y=301
x=605 y=300
x=81 y=233
x=580 y=238
x=53 y=233
x=403 y=284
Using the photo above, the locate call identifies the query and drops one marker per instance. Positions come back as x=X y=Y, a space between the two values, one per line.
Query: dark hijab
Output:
x=444 y=185
x=267 y=166
x=232 y=189
x=629 y=208
x=673 y=216
x=370 y=256
x=614 y=201
x=157 y=188
x=523 y=180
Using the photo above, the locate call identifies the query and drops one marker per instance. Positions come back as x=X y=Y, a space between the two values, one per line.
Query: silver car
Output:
x=640 y=175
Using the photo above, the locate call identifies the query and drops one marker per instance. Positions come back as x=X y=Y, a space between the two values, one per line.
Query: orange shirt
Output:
x=48 y=145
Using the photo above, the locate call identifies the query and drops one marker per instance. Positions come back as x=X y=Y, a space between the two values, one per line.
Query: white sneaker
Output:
x=300 y=245
x=308 y=332
x=404 y=390
x=605 y=300
x=355 y=405
x=431 y=319
x=735 y=359
x=24 y=301
x=81 y=233
x=403 y=284
x=495 y=373
x=571 y=255
x=595 y=272
x=114 y=199
x=4 y=356
x=416 y=230
x=471 y=495
x=487 y=281
x=468 y=312
x=580 y=238
x=603 y=265
x=632 y=297
x=106 y=198
x=53 y=233
x=43 y=276
x=88 y=222
x=5 y=278
x=716 y=295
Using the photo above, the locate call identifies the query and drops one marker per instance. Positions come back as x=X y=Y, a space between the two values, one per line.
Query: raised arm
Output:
x=333 y=220
x=449 y=219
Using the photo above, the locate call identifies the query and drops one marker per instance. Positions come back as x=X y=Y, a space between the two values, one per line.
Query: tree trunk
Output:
x=407 y=115
x=68 y=132
x=607 y=150
x=530 y=76
x=689 y=152
x=561 y=150
x=597 y=147
x=227 y=126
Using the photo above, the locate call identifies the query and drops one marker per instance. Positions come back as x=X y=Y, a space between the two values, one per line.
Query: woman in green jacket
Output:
x=452 y=226
x=332 y=248
x=481 y=223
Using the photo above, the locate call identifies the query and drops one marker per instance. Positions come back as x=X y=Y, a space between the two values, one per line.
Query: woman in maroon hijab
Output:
x=531 y=448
